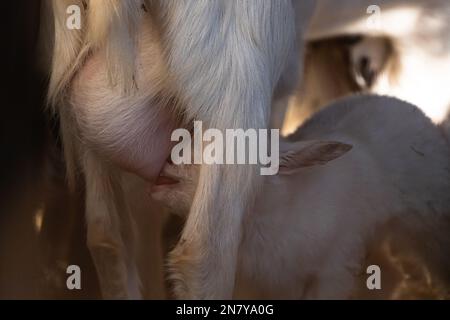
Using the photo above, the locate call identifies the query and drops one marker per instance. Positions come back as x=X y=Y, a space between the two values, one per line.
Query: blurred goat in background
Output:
x=400 y=49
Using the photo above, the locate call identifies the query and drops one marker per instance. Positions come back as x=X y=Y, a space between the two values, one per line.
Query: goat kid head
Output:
x=176 y=185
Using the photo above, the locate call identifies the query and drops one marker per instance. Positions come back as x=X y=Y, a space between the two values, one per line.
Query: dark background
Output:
x=32 y=263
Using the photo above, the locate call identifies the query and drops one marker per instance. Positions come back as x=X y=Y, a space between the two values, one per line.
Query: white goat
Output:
x=418 y=33
x=361 y=164
x=120 y=86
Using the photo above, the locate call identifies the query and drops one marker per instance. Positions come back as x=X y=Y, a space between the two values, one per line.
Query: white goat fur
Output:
x=310 y=228
x=120 y=86
x=419 y=33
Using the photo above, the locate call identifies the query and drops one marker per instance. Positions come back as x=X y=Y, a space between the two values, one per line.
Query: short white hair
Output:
x=107 y=26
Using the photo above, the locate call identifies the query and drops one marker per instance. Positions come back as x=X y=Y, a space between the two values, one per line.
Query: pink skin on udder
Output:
x=152 y=159
x=137 y=141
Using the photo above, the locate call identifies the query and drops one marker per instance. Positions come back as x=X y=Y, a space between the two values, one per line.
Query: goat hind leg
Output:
x=248 y=45
x=109 y=231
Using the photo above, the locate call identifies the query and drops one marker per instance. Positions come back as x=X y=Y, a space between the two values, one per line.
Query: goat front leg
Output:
x=226 y=57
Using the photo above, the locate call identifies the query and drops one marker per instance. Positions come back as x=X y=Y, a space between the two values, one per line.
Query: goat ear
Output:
x=312 y=154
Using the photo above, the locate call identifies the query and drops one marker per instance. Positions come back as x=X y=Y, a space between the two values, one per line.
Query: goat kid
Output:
x=362 y=164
